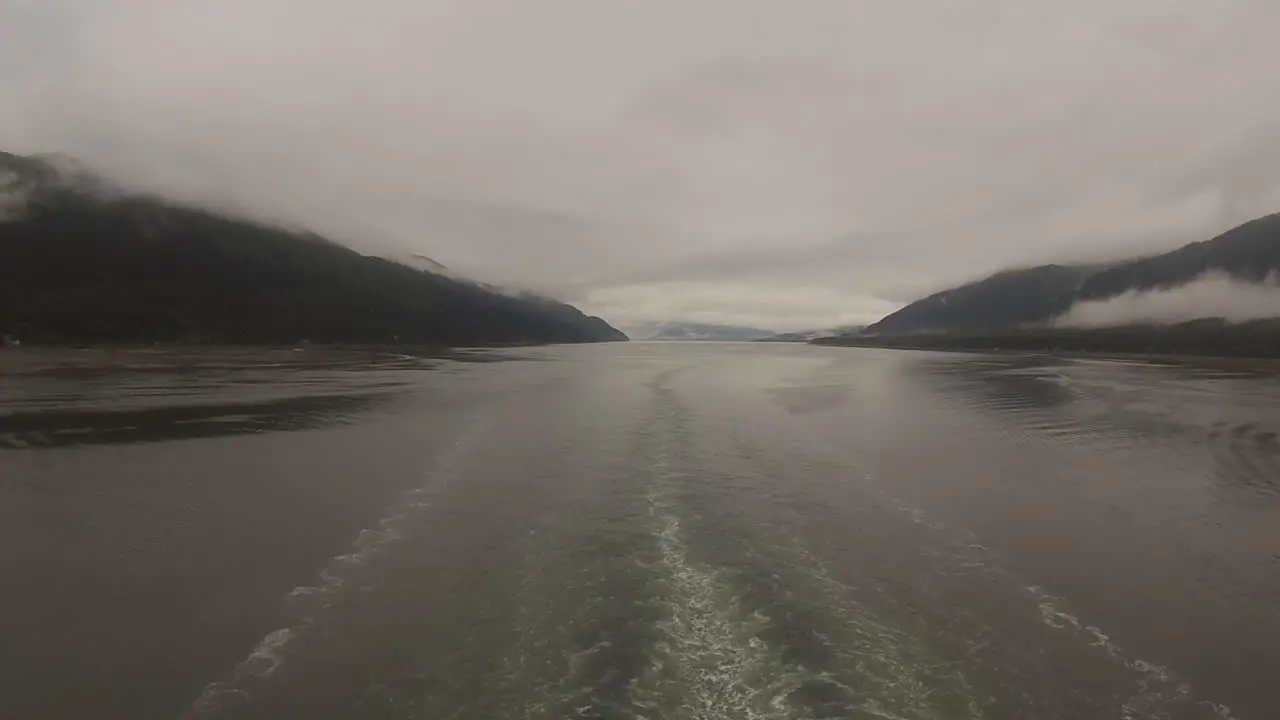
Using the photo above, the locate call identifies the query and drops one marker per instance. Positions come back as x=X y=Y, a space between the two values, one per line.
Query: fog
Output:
x=786 y=165
x=743 y=304
x=1214 y=295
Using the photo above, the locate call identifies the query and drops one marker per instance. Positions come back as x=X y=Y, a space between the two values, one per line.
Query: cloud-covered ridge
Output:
x=1213 y=295
x=812 y=164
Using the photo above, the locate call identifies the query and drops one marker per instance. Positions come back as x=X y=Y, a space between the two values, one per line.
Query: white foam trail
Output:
x=1158 y=687
x=896 y=663
x=724 y=668
x=721 y=667
x=712 y=663
x=308 y=603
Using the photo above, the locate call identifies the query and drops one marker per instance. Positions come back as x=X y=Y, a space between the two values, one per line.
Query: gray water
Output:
x=643 y=531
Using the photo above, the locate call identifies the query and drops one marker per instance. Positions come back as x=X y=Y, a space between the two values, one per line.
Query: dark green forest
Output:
x=80 y=266
x=1028 y=296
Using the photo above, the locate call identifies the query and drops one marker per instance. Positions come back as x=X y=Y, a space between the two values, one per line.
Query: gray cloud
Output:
x=781 y=164
x=1211 y=296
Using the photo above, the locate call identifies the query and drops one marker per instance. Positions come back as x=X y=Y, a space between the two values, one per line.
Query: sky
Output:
x=789 y=165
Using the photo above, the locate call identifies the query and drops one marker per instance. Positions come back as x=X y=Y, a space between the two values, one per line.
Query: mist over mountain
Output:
x=83 y=262
x=804 y=336
x=1229 y=276
x=700 y=331
x=1007 y=299
x=1249 y=253
x=1213 y=295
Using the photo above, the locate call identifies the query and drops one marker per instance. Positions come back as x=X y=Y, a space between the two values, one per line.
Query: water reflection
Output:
x=1222 y=419
x=1247 y=454
x=805 y=399
x=1000 y=383
x=60 y=429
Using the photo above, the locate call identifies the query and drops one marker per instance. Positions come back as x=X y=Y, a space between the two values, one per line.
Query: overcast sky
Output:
x=787 y=164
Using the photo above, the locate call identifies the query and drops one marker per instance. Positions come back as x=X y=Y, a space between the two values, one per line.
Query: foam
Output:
x=725 y=669
x=1158 y=687
x=309 y=603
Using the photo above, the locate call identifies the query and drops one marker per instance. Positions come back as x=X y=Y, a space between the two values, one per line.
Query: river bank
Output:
x=27 y=359
x=1253 y=345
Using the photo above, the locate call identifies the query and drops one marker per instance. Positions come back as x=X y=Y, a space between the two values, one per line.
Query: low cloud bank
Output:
x=781 y=307
x=1214 y=295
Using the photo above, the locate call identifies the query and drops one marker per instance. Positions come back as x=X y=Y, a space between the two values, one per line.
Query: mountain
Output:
x=701 y=331
x=1006 y=299
x=422 y=262
x=1035 y=296
x=804 y=336
x=1250 y=252
x=82 y=262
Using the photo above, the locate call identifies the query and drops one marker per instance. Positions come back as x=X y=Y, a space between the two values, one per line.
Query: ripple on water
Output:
x=307 y=605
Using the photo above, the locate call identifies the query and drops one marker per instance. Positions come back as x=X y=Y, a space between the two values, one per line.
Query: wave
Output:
x=308 y=604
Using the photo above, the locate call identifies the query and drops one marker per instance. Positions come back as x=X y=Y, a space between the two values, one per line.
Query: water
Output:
x=644 y=531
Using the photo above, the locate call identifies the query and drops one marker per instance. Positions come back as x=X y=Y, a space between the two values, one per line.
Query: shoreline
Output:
x=28 y=360
x=1233 y=362
x=35 y=360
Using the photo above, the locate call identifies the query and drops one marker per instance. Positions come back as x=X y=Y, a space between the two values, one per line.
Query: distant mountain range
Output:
x=1034 y=297
x=803 y=336
x=84 y=262
x=700 y=331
